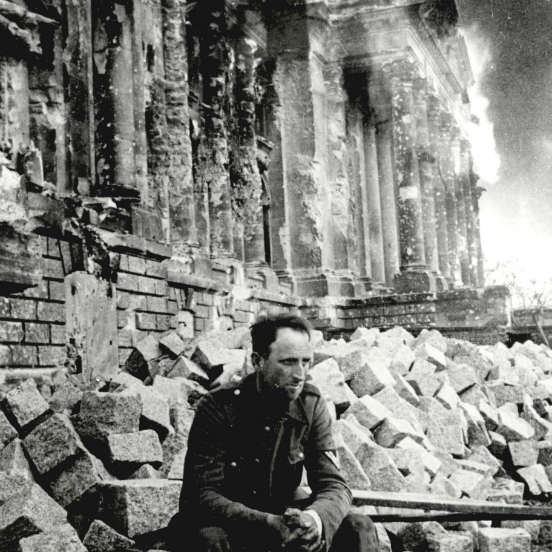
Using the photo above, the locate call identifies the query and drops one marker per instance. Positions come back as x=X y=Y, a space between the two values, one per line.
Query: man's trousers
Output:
x=357 y=533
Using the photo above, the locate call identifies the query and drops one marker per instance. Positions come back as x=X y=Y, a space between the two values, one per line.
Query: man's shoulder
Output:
x=310 y=390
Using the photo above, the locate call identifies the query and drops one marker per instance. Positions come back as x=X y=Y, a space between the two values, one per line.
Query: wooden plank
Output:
x=434 y=506
x=455 y=517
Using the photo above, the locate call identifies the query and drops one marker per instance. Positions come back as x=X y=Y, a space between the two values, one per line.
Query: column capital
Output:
x=402 y=68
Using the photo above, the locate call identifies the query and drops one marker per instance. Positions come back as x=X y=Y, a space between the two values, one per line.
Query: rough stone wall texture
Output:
x=207 y=161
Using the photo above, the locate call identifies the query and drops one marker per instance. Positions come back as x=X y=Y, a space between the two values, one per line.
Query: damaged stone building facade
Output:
x=179 y=164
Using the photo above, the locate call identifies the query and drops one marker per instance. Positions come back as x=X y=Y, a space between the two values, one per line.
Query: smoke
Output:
x=481 y=130
x=510 y=48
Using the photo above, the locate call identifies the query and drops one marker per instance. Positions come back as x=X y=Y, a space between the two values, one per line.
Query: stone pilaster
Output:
x=414 y=275
x=439 y=192
x=298 y=184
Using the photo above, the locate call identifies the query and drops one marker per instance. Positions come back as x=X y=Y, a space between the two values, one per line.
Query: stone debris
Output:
x=100 y=537
x=426 y=415
x=77 y=478
x=63 y=538
x=13 y=460
x=139 y=506
x=142 y=447
x=494 y=539
x=7 y=431
x=24 y=404
x=28 y=511
x=51 y=443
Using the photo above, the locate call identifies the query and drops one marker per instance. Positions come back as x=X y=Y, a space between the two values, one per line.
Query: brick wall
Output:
x=150 y=298
x=32 y=323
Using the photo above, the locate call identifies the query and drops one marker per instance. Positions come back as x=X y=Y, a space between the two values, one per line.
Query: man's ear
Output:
x=257 y=360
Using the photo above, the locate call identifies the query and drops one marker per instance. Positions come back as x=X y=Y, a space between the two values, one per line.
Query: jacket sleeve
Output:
x=204 y=472
x=331 y=495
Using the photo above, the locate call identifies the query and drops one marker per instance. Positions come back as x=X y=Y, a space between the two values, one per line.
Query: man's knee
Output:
x=359 y=523
x=213 y=539
x=357 y=533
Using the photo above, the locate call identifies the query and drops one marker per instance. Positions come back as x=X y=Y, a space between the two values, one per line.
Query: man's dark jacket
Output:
x=242 y=461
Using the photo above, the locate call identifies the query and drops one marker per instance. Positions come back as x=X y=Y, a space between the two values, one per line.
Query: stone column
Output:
x=380 y=101
x=477 y=191
x=470 y=216
x=113 y=52
x=246 y=179
x=434 y=123
x=414 y=275
x=426 y=164
x=447 y=173
x=373 y=203
x=214 y=152
x=181 y=196
x=462 y=174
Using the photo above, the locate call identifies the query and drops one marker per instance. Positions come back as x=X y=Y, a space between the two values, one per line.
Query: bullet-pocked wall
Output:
x=168 y=164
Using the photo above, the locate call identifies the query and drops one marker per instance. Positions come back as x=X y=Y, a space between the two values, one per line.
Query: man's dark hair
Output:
x=263 y=331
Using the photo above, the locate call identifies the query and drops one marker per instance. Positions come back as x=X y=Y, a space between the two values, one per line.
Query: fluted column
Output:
x=181 y=194
x=477 y=191
x=373 y=203
x=426 y=163
x=439 y=192
x=462 y=174
x=246 y=179
x=412 y=248
x=113 y=45
x=470 y=216
x=414 y=275
x=380 y=101
x=447 y=172
x=214 y=152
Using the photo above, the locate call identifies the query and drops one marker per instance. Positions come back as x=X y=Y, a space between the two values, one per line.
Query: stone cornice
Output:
x=418 y=40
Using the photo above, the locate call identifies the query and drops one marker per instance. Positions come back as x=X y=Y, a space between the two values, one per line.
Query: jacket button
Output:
x=267 y=428
x=301 y=455
x=237 y=392
x=233 y=464
x=257 y=461
x=254 y=492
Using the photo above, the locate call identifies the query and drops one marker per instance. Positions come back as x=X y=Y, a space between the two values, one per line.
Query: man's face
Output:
x=285 y=369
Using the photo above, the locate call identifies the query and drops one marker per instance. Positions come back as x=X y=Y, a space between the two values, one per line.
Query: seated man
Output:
x=246 y=451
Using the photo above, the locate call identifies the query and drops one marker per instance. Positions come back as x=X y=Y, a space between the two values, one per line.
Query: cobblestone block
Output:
x=142 y=447
x=52 y=442
x=100 y=537
x=13 y=460
x=104 y=413
x=493 y=539
x=139 y=506
x=78 y=476
x=25 y=404
x=7 y=431
x=28 y=511
x=58 y=539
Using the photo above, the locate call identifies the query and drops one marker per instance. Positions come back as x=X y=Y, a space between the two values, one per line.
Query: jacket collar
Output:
x=295 y=409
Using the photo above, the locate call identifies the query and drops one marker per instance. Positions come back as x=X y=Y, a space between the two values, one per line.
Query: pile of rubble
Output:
x=446 y=417
x=100 y=470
